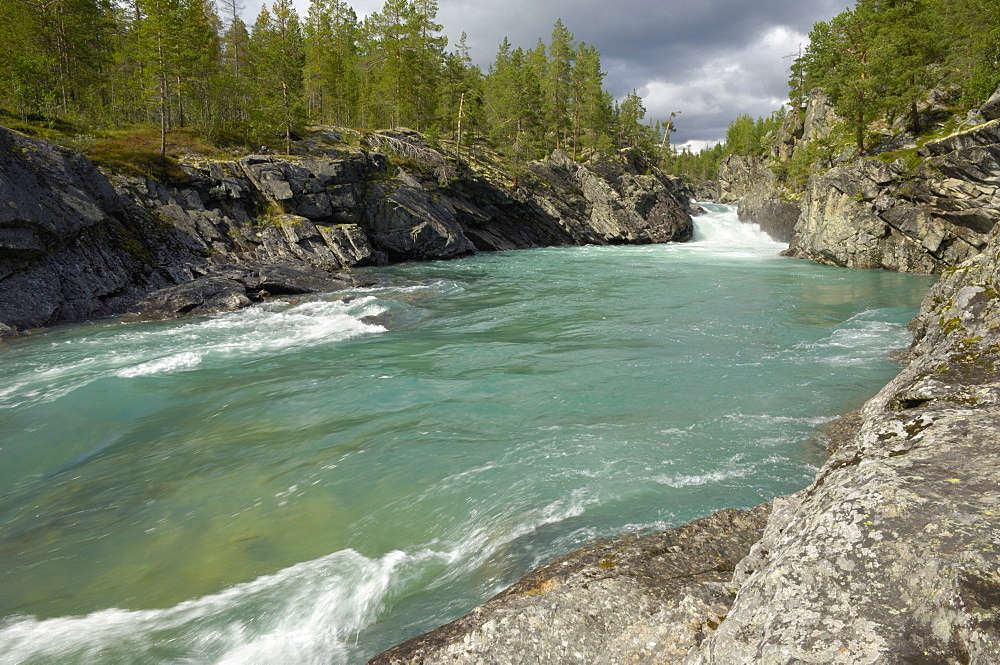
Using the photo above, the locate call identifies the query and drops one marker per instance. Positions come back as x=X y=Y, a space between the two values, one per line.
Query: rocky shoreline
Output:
x=76 y=243
x=891 y=555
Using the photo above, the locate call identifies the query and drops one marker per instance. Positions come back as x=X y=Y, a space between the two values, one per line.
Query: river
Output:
x=316 y=479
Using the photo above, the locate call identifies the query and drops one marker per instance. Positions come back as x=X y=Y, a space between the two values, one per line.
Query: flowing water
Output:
x=317 y=479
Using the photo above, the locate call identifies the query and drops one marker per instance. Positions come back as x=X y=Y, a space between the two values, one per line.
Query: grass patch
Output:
x=136 y=150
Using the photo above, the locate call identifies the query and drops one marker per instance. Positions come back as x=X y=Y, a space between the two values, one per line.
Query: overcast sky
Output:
x=710 y=60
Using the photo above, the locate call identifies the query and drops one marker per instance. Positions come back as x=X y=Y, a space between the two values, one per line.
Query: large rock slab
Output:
x=636 y=599
x=876 y=215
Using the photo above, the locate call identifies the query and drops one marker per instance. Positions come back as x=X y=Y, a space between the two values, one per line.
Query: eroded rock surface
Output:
x=876 y=215
x=638 y=599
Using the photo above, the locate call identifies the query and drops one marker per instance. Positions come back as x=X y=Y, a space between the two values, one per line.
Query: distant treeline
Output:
x=107 y=63
x=879 y=61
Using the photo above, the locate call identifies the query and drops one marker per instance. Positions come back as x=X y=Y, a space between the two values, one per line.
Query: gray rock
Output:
x=606 y=202
x=73 y=245
x=70 y=246
x=991 y=109
x=403 y=221
x=289 y=279
x=635 y=599
x=873 y=215
x=207 y=295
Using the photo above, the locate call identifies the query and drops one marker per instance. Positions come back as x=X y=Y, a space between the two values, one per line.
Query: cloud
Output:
x=751 y=79
x=710 y=59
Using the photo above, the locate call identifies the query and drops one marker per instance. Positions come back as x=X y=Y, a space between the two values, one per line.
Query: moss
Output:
x=714 y=625
x=950 y=325
x=131 y=244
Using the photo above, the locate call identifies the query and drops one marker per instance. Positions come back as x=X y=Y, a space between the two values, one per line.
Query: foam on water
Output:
x=866 y=335
x=158 y=349
x=720 y=230
x=310 y=612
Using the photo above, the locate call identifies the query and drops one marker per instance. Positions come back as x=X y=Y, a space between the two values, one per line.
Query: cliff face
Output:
x=752 y=181
x=762 y=200
x=76 y=245
x=927 y=212
x=70 y=247
x=876 y=215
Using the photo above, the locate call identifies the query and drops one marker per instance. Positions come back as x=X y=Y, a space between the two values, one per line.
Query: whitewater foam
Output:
x=163 y=348
x=720 y=229
x=174 y=363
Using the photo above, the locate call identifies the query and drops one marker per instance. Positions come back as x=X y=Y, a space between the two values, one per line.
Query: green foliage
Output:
x=879 y=59
x=747 y=136
x=277 y=55
x=694 y=167
x=810 y=156
x=173 y=64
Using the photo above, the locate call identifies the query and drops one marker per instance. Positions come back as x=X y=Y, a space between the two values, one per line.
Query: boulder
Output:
x=207 y=295
x=991 y=109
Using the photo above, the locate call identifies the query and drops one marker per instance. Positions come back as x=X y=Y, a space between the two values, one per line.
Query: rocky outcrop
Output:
x=876 y=215
x=70 y=247
x=225 y=288
x=74 y=245
x=603 y=203
x=644 y=599
x=763 y=186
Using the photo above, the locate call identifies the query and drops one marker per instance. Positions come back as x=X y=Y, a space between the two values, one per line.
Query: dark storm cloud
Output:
x=709 y=59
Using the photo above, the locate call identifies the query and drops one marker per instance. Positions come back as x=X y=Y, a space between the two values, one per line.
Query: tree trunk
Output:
x=461 y=106
x=288 y=118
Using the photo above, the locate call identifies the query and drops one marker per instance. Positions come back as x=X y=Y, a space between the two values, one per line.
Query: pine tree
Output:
x=197 y=53
x=277 y=57
x=461 y=96
x=331 y=76
x=159 y=29
x=53 y=53
x=630 y=112
x=592 y=113
x=559 y=81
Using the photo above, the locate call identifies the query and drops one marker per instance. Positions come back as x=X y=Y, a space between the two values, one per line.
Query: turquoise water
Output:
x=317 y=479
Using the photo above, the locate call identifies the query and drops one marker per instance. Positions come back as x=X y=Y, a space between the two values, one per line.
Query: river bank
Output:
x=77 y=243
